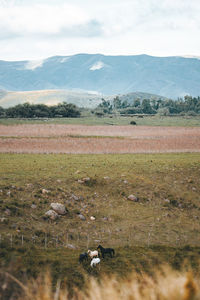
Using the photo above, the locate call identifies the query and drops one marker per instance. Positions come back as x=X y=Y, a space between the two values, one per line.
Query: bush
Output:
x=133 y=123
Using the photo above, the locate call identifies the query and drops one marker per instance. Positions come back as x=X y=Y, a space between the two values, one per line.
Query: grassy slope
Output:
x=115 y=120
x=143 y=234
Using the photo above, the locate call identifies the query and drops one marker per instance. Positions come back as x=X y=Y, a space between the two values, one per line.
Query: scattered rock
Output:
x=133 y=198
x=166 y=200
x=3 y=220
x=74 y=197
x=9 y=193
x=106 y=178
x=92 y=218
x=51 y=214
x=86 y=179
x=80 y=181
x=81 y=217
x=33 y=206
x=58 y=180
x=194 y=189
x=44 y=191
x=105 y=219
x=8 y=212
x=1 y=191
x=125 y=181
x=59 y=208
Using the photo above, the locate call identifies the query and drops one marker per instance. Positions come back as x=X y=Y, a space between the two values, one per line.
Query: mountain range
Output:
x=170 y=77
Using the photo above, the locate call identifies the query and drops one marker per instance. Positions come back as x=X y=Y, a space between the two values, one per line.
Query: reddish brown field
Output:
x=98 y=139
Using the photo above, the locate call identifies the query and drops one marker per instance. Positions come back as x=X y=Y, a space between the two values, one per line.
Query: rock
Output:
x=74 y=197
x=92 y=218
x=8 y=212
x=166 y=200
x=80 y=181
x=9 y=193
x=33 y=206
x=125 y=181
x=86 y=179
x=59 y=208
x=81 y=217
x=3 y=220
x=44 y=191
x=58 y=180
x=106 y=178
x=105 y=219
x=133 y=198
x=51 y=214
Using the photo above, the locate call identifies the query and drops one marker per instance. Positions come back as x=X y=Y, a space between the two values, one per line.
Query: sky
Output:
x=37 y=29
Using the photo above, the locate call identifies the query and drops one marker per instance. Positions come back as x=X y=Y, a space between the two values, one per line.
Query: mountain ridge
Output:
x=172 y=77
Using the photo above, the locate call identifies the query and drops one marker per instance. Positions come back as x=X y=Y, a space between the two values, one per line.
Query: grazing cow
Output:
x=95 y=261
x=83 y=256
x=104 y=251
x=93 y=253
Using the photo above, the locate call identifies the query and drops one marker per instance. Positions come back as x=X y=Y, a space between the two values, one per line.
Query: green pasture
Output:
x=163 y=226
x=88 y=119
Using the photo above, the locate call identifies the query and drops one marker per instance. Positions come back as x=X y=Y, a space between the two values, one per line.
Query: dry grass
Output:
x=166 y=284
x=85 y=139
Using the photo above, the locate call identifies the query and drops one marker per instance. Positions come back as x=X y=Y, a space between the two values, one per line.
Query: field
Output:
x=161 y=227
x=88 y=119
x=57 y=138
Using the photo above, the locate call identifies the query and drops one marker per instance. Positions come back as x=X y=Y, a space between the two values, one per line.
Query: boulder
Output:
x=51 y=214
x=92 y=218
x=133 y=198
x=44 y=191
x=81 y=217
x=59 y=208
x=33 y=206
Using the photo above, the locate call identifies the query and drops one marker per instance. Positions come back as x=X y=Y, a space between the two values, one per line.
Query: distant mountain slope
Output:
x=50 y=97
x=130 y=97
x=167 y=76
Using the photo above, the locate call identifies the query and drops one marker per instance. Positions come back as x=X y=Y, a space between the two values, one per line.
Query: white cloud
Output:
x=41 y=28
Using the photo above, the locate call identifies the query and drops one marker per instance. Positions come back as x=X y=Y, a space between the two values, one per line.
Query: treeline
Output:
x=185 y=106
x=28 y=110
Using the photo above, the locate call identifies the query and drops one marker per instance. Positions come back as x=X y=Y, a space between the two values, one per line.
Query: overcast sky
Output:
x=36 y=29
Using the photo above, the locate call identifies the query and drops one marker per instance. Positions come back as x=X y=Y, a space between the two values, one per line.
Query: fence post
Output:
x=22 y=240
x=45 y=241
x=11 y=240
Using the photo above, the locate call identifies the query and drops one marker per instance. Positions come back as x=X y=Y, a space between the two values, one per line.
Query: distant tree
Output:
x=117 y=102
x=146 y=107
x=2 y=112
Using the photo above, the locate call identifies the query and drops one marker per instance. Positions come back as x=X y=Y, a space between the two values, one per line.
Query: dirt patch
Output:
x=57 y=139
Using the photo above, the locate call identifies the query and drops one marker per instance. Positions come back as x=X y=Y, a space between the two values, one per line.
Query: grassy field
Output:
x=189 y=121
x=163 y=226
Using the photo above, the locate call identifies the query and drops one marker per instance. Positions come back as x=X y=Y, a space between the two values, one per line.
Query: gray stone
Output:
x=51 y=214
x=59 y=208
x=81 y=217
x=133 y=198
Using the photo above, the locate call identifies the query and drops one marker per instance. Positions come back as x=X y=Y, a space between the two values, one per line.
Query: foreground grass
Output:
x=165 y=283
x=163 y=226
x=190 y=121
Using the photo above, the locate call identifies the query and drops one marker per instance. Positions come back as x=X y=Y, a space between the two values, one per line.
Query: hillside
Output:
x=167 y=76
x=53 y=97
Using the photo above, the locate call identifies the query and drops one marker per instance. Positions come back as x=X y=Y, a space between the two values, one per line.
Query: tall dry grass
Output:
x=166 y=284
